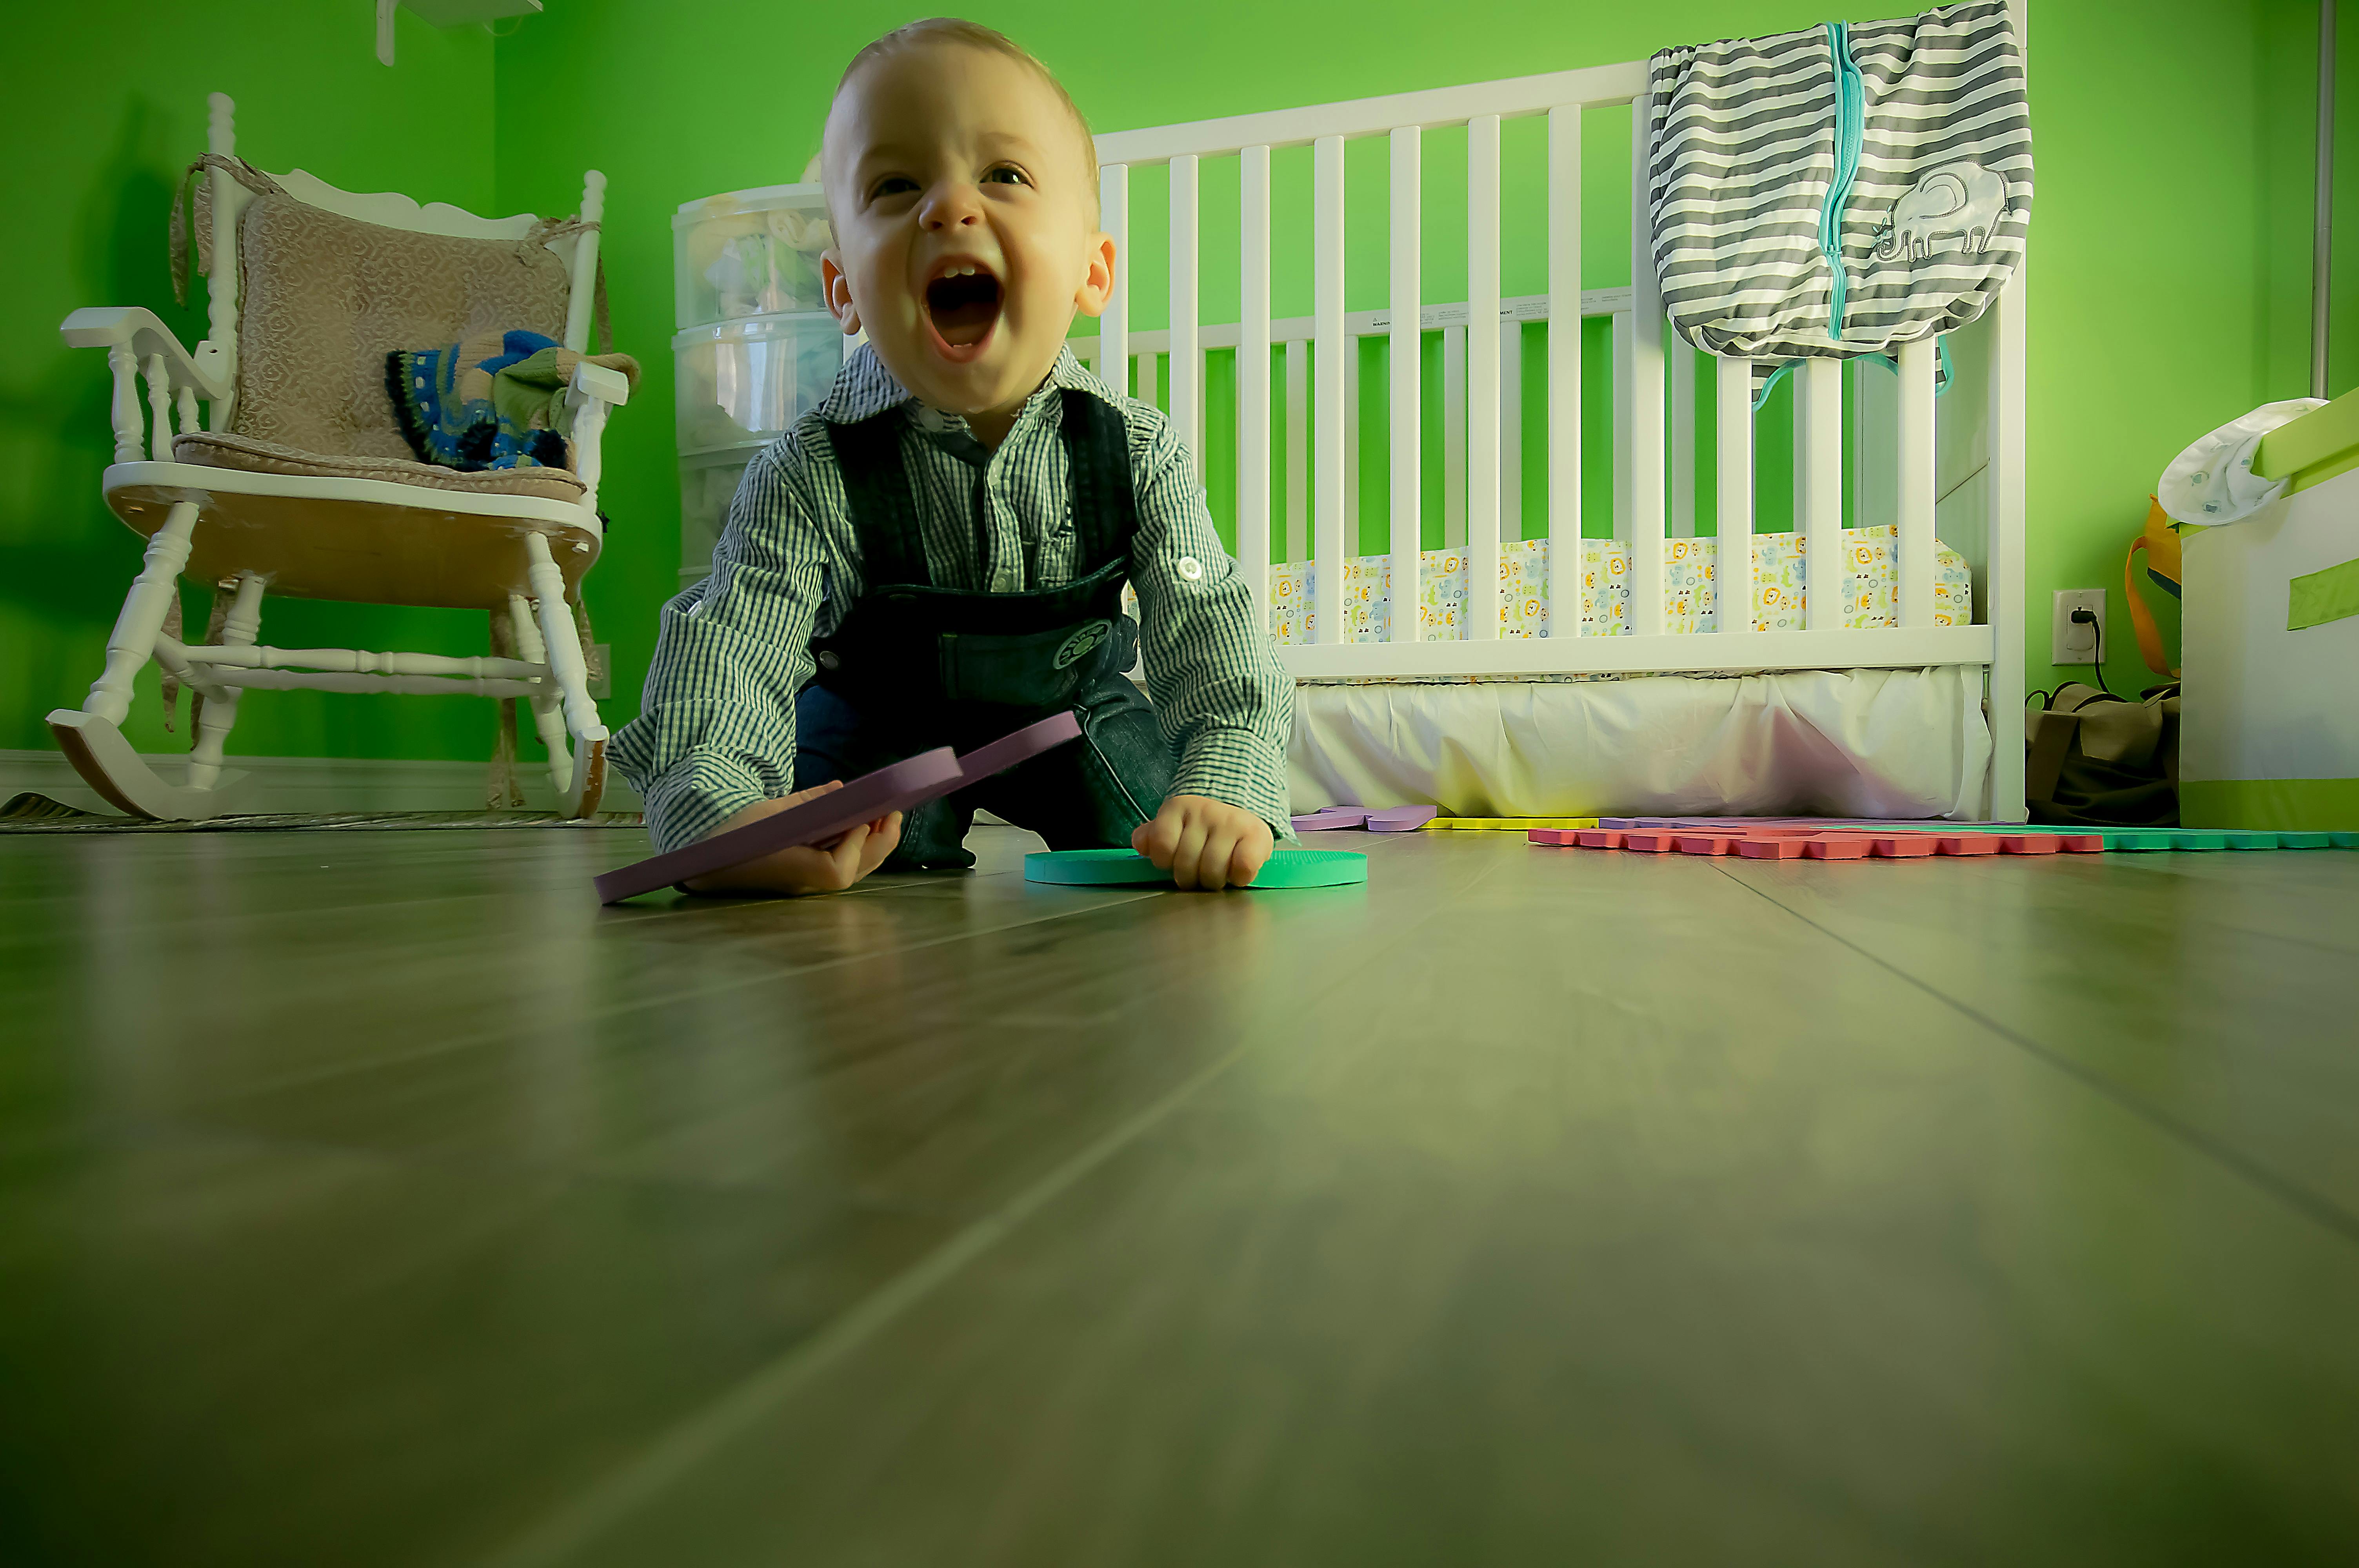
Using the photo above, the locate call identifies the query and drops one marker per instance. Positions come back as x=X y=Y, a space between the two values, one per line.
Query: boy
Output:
x=938 y=550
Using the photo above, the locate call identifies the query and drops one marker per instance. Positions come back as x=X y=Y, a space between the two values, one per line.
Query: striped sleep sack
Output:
x=1841 y=190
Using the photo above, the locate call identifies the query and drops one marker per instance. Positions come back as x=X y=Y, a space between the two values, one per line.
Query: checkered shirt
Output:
x=716 y=728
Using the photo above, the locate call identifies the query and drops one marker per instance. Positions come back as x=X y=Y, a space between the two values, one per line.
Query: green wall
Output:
x=108 y=105
x=2168 y=280
x=2168 y=286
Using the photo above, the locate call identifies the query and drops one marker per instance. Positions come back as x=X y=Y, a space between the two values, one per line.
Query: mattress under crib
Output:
x=1870 y=579
x=1877 y=743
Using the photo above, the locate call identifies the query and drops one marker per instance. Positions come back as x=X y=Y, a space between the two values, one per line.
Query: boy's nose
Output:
x=954 y=206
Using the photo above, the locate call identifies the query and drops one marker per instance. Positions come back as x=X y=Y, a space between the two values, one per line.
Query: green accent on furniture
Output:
x=2318 y=437
x=2319 y=473
x=2324 y=596
x=2284 y=805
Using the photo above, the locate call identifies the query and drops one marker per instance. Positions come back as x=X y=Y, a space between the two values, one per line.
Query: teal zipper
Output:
x=1851 y=130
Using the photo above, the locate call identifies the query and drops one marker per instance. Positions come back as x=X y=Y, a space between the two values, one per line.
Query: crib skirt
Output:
x=1870 y=742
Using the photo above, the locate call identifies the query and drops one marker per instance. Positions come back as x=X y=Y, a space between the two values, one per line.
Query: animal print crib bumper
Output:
x=1840 y=190
x=1691 y=589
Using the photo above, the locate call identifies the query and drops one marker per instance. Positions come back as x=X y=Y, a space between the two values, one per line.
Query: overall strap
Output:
x=883 y=508
x=1105 y=503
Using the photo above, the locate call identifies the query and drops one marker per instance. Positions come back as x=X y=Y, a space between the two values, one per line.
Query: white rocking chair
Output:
x=344 y=515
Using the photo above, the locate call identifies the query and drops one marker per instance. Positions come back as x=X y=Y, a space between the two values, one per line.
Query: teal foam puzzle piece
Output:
x=1285 y=869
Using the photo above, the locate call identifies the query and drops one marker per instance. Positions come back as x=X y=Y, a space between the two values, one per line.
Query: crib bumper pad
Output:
x=1691 y=589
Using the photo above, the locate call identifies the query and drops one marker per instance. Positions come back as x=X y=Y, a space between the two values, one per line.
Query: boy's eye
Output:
x=892 y=185
x=1006 y=174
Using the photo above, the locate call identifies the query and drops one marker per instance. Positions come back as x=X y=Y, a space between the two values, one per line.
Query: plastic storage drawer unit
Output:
x=749 y=252
x=744 y=383
x=708 y=483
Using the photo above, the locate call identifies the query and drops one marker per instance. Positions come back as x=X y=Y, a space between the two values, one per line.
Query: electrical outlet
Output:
x=2077 y=642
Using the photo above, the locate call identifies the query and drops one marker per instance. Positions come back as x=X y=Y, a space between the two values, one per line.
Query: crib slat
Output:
x=1822 y=497
x=1327 y=290
x=1355 y=521
x=1298 y=449
x=1917 y=481
x=1511 y=431
x=1480 y=461
x=1253 y=377
x=1646 y=450
x=1626 y=342
x=1114 y=327
x=1149 y=381
x=1453 y=438
x=1734 y=415
x=1407 y=438
x=1683 y=437
x=1564 y=369
x=1185 y=378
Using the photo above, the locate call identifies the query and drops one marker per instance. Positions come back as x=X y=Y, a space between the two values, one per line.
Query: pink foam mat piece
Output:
x=1706 y=843
x=1962 y=844
x=1817 y=842
x=898 y=786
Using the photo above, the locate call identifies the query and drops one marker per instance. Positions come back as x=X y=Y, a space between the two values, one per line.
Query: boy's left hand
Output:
x=1205 y=843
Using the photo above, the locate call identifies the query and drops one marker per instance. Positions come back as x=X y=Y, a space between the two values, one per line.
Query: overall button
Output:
x=828 y=661
x=1190 y=568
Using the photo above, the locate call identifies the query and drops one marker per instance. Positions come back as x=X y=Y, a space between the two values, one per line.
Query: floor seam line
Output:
x=2312 y=1205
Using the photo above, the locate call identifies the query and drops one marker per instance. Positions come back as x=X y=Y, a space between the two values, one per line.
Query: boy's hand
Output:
x=809 y=868
x=1205 y=843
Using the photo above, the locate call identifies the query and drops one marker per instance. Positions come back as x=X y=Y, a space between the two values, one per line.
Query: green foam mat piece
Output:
x=2137 y=839
x=1286 y=867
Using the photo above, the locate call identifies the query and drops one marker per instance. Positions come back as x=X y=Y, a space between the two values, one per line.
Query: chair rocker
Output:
x=300 y=483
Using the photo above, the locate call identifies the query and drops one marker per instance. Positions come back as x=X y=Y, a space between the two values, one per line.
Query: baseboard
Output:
x=317 y=784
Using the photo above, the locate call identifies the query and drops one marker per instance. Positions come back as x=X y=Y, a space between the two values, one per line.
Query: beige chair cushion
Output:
x=323 y=298
x=218 y=450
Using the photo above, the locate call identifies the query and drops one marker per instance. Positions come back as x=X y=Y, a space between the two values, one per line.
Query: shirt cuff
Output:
x=697 y=794
x=1241 y=769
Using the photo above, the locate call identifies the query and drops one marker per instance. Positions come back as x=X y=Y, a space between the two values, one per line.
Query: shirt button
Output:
x=1190 y=568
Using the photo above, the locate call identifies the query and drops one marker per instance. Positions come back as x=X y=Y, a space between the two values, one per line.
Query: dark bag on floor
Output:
x=2096 y=759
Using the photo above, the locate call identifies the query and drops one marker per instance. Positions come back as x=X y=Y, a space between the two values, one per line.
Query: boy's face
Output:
x=963 y=227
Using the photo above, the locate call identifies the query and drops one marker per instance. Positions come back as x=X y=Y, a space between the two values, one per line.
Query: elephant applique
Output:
x=1960 y=202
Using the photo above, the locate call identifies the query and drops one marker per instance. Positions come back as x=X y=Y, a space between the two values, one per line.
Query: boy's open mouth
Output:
x=962 y=305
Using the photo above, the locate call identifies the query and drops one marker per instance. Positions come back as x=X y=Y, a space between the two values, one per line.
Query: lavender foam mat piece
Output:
x=1402 y=819
x=898 y=786
x=1332 y=817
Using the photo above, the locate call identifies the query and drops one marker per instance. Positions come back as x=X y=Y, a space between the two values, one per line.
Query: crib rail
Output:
x=1659 y=475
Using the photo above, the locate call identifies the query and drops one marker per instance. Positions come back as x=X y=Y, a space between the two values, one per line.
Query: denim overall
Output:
x=914 y=667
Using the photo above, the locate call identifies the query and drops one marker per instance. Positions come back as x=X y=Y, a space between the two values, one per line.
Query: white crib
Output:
x=1656 y=467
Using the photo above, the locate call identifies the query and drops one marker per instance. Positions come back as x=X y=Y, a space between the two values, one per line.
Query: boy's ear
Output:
x=1097 y=283
x=839 y=293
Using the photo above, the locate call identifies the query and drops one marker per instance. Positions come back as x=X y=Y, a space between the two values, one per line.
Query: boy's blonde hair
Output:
x=974 y=34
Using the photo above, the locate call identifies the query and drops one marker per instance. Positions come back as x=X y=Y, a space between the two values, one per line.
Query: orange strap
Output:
x=2150 y=636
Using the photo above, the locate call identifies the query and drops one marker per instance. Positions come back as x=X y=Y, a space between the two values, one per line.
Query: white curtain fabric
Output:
x=1878 y=743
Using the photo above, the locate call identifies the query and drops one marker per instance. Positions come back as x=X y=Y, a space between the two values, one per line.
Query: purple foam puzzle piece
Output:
x=1402 y=818
x=1332 y=817
x=897 y=786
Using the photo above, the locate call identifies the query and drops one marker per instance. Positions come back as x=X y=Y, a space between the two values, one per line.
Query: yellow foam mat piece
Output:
x=1509 y=824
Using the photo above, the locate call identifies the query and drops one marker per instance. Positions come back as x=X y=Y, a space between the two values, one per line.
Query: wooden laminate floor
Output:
x=375 y=1198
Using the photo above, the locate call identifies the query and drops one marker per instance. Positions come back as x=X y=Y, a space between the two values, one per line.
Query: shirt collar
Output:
x=864 y=388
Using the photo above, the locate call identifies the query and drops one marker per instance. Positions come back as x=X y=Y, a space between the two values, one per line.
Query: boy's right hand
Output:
x=806 y=868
